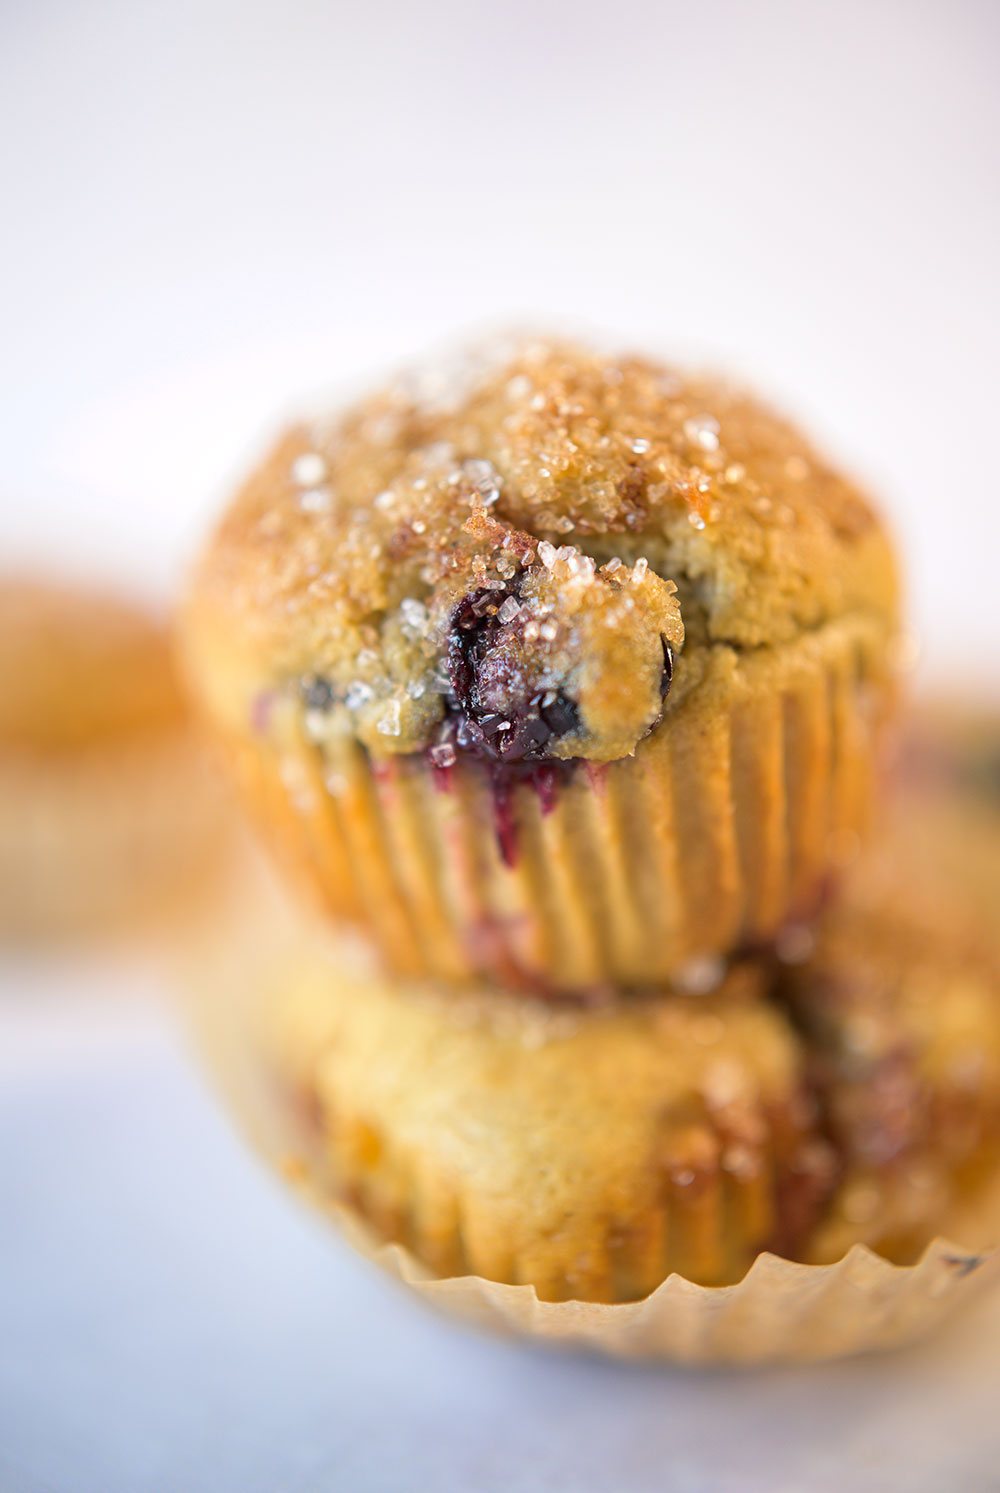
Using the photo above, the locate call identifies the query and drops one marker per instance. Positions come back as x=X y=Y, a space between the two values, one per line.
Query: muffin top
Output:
x=872 y=1055
x=564 y=1126
x=77 y=668
x=511 y=561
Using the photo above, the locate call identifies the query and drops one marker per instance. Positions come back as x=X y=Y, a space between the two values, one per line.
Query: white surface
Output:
x=172 y=1322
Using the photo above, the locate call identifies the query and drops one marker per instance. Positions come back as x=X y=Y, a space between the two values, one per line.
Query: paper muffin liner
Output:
x=106 y=839
x=780 y=1312
x=725 y=825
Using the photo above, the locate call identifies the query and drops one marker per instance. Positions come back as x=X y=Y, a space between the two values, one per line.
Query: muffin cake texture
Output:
x=106 y=810
x=901 y=1019
x=852 y=1096
x=567 y=673
x=587 y=1153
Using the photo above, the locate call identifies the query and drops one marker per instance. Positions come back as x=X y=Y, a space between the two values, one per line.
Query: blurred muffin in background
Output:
x=898 y=1007
x=108 y=819
x=947 y=814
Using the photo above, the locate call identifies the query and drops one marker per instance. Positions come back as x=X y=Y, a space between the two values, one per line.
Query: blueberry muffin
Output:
x=847 y=1093
x=588 y=1152
x=106 y=809
x=571 y=671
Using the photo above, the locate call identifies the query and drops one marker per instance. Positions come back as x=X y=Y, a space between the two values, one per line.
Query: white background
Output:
x=210 y=211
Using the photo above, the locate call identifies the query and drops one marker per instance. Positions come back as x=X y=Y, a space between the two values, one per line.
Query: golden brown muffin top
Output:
x=539 y=535
x=77 y=668
x=874 y=1061
x=557 y=1127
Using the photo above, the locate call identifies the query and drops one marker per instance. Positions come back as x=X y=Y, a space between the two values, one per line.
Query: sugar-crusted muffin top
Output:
x=527 y=549
x=78 y=667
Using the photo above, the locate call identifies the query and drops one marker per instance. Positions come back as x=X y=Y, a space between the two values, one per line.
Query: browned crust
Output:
x=604 y=458
x=591 y=1152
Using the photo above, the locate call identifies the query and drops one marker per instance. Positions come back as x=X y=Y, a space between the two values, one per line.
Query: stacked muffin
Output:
x=566 y=681
x=109 y=822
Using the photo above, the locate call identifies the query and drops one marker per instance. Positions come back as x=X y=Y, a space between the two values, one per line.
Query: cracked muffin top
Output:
x=510 y=559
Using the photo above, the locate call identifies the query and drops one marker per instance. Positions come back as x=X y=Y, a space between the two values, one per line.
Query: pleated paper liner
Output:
x=725 y=824
x=106 y=842
x=781 y=1311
